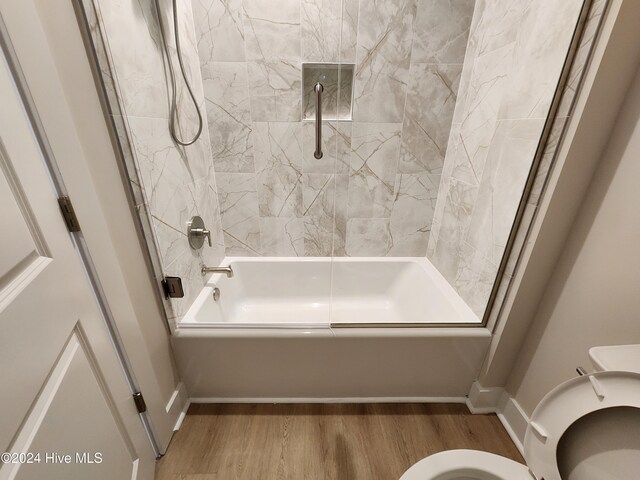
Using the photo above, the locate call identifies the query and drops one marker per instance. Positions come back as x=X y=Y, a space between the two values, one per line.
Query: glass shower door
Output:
x=448 y=109
x=322 y=169
x=401 y=99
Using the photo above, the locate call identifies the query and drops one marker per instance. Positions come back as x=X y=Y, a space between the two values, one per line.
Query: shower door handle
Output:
x=318 y=90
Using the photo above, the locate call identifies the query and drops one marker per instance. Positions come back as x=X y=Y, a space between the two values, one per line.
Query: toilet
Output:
x=600 y=415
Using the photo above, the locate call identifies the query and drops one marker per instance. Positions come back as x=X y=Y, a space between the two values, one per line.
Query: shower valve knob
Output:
x=196 y=233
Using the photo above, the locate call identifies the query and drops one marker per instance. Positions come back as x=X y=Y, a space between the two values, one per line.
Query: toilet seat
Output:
x=555 y=413
x=566 y=404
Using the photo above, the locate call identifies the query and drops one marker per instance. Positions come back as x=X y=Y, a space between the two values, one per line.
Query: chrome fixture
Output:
x=174 y=87
x=581 y=371
x=216 y=294
x=227 y=270
x=318 y=89
x=196 y=233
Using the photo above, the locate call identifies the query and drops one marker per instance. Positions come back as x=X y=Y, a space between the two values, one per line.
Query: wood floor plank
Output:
x=322 y=441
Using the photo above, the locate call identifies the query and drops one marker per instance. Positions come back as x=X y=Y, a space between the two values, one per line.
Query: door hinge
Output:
x=69 y=214
x=138 y=399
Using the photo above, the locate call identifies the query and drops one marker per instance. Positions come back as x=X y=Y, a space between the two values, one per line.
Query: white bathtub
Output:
x=321 y=292
x=281 y=333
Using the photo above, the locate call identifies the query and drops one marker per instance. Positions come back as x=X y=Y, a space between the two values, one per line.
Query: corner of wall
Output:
x=484 y=400
x=514 y=419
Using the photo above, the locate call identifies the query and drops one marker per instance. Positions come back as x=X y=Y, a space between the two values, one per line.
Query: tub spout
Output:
x=225 y=270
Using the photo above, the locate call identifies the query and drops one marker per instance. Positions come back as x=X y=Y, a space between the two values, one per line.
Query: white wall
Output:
x=593 y=296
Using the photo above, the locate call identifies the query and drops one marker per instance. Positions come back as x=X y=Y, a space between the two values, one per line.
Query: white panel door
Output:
x=62 y=388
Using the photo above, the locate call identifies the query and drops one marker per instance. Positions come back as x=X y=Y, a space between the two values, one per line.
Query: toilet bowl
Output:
x=567 y=405
x=467 y=465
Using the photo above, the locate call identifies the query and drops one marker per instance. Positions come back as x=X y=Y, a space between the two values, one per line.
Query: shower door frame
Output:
x=100 y=64
x=520 y=228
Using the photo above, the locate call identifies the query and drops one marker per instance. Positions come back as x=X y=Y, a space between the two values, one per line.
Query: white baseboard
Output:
x=483 y=400
x=177 y=404
x=496 y=400
x=182 y=415
x=514 y=419
x=330 y=400
x=177 y=400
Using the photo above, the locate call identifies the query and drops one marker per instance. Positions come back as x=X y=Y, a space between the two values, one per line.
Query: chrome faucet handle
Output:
x=196 y=233
x=201 y=232
x=207 y=234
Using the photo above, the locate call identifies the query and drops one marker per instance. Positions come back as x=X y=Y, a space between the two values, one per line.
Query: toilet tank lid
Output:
x=566 y=404
x=616 y=357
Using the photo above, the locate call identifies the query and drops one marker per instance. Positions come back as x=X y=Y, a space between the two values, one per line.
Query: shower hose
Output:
x=174 y=101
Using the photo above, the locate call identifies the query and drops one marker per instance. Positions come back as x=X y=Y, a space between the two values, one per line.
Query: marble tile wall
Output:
x=374 y=191
x=515 y=54
x=170 y=183
x=387 y=185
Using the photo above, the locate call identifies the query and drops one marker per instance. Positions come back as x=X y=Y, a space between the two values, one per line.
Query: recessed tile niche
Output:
x=337 y=95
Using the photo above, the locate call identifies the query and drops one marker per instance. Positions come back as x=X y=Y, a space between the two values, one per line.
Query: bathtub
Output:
x=324 y=330
x=323 y=292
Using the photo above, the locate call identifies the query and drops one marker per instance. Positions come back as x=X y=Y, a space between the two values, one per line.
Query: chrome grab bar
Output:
x=226 y=270
x=318 y=89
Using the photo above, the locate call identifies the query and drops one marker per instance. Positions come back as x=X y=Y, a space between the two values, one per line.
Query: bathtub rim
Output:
x=434 y=331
